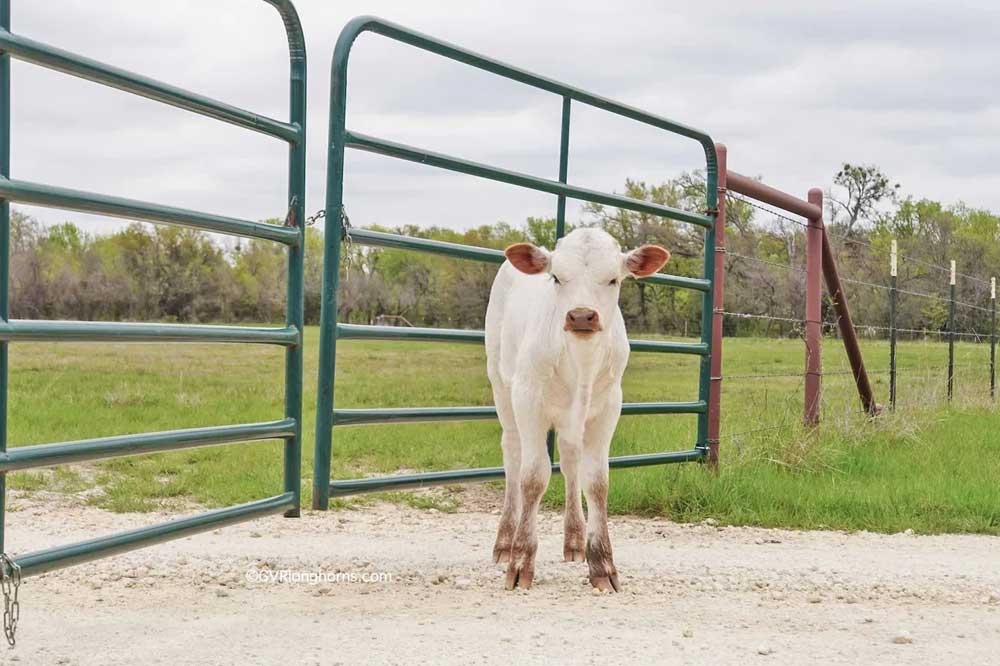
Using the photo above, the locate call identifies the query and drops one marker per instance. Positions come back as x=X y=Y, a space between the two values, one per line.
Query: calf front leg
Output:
x=574 y=527
x=597 y=443
x=510 y=441
x=534 y=479
x=511 y=496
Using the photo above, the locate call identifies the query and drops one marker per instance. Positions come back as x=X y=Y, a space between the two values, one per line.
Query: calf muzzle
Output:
x=582 y=320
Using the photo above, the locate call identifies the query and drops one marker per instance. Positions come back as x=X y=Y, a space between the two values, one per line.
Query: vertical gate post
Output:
x=893 y=296
x=296 y=268
x=718 y=297
x=4 y=252
x=993 y=339
x=550 y=438
x=951 y=332
x=814 y=309
x=332 y=236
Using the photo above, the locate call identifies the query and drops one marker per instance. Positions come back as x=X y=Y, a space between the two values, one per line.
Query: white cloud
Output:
x=793 y=89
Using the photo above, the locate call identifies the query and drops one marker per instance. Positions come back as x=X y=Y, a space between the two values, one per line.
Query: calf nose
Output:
x=582 y=320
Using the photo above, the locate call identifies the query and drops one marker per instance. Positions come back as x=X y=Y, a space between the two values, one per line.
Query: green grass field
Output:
x=929 y=467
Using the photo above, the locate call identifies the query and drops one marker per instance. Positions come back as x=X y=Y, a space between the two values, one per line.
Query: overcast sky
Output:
x=793 y=88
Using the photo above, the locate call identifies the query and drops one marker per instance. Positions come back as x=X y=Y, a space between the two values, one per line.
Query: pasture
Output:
x=927 y=467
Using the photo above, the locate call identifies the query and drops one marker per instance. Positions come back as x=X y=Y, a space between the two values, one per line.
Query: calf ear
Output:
x=527 y=258
x=646 y=260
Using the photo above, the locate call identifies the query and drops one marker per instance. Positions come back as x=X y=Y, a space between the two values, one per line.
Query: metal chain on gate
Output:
x=345 y=226
x=10 y=583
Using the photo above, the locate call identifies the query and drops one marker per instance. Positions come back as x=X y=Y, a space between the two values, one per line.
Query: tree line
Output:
x=162 y=273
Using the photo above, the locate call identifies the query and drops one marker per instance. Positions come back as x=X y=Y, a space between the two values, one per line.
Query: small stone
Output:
x=711 y=522
x=908 y=532
x=688 y=633
x=902 y=638
x=255 y=535
x=765 y=650
x=869 y=620
x=463 y=583
x=815 y=599
x=222 y=592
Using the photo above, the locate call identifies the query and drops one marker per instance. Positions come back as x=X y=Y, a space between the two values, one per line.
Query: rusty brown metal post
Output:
x=814 y=310
x=846 y=326
x=715 y=383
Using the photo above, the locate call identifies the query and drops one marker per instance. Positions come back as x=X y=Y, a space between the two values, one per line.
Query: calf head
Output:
x=585 y=272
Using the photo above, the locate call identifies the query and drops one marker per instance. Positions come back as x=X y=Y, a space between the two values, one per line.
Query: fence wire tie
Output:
x=290 y=220
x=10 y=583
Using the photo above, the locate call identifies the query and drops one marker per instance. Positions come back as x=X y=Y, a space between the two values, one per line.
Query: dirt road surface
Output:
x=417 y=586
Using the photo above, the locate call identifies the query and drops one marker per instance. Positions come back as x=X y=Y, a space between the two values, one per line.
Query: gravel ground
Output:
x=691 y=594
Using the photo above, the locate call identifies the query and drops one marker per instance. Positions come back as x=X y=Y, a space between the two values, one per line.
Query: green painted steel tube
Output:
x=471 y=252
x=708 y=304
x=342 y=488
x=4 y=253
x=400 y=242
x=22 y=330
x=349 y=417
x=50 y=57
x=61 y=453
x=361 y=24
x=295 y=308
x=383 y=147
x=563 y=165
x=42 y=561
x=89 y=202
x=416 y=334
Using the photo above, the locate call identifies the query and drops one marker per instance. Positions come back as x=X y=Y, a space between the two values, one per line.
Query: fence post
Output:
x=951 y=333
x=718 y=296
x=814 y=310
x=893 y=296
x=993 y=340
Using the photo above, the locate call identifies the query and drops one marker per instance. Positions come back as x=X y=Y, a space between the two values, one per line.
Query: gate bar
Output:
x=50 y=57
x=42 y=561
x=347 y=417
x=45 y=455
x=90 y=202
x=21 y=330
x=427 y=479
x=382 y=147
x=488 y=255
x=414 y=333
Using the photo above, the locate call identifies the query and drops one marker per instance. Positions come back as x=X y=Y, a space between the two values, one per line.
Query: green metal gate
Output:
x=327 y=416
x=288 y=428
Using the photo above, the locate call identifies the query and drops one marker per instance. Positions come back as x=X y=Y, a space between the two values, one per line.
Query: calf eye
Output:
x=556 y=280
x=613 y=282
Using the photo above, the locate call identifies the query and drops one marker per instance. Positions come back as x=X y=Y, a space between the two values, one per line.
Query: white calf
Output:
x=556 y=349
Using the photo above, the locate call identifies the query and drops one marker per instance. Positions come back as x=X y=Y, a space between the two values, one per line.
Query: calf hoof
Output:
x=603 y=574
x=521 y=569
x=606 y=583
x=501 y=554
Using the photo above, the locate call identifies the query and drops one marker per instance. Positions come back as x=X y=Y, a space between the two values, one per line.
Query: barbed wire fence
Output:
x=926 y=292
